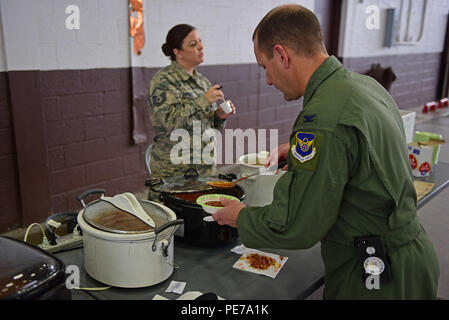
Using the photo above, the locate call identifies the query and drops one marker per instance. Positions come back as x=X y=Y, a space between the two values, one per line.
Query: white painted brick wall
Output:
x=357 y=41
x=2 y=49
x=35 y=36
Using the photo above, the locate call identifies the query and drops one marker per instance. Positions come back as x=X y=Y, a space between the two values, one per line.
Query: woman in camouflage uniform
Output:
x=179 y=95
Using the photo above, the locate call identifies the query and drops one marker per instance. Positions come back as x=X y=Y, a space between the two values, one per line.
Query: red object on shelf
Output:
x=432 y=106
x=440 y=105
x=425 y=109
x=445 y=102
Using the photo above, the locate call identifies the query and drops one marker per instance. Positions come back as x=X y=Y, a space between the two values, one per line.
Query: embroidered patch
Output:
x=304 y=149
x=158 y=97
x=310 y=118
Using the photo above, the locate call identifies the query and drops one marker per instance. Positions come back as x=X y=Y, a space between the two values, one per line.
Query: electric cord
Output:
x=92 y=289
x=75 y=231
x=45 y=241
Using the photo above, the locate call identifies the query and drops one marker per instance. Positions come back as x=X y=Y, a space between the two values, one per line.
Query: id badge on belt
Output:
x=374 y=258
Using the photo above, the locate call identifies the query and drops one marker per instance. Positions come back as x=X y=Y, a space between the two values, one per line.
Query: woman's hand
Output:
x=214 y=94
x=222 y=115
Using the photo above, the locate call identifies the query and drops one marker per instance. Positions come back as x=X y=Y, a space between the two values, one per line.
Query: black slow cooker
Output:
x=180 y=194
x=28 y=272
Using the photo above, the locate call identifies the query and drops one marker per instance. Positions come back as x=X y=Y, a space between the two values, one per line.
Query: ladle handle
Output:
x=249 y=176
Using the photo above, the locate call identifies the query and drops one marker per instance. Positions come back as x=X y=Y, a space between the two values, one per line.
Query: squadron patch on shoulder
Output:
x=158 y=97
x=303 y=149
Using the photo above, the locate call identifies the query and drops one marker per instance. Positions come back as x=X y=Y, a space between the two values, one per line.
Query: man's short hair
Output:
x=294 y=26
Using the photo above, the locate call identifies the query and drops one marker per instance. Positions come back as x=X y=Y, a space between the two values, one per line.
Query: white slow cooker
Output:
x=122 y=251
x=259 y=189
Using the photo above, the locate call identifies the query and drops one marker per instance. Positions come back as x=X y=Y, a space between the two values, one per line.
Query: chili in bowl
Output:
x=211 y=202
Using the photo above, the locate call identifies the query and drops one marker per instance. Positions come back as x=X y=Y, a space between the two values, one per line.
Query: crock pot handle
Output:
x=153 y=182
x=227 y=176
x=162 y=196
x=89 y=192
x=168 y=225
x=162 y=228
x=191 y=172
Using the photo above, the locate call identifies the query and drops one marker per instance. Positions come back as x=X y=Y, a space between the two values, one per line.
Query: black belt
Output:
x=392 y=239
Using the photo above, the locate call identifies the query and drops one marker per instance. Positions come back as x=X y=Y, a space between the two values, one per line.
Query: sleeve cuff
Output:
x=219 y=124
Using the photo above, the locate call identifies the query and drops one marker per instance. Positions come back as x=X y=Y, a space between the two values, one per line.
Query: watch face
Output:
x=374 y=265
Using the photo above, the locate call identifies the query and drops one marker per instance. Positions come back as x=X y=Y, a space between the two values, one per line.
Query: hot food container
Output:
x=180 y=194
x=28 y=272
x=121 y=250
x=259 y=189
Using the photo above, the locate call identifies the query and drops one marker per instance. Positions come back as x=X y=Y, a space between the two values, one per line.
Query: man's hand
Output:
x=278 y=155
x=228 y=215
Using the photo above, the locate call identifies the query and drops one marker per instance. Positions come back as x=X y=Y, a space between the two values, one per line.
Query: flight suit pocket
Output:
x=279 y=218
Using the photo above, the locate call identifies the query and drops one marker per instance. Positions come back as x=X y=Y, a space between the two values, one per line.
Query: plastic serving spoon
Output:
x=227 y=184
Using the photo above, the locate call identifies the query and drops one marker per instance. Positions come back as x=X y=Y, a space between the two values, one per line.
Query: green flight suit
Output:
x=176 y=99
x=353 y=180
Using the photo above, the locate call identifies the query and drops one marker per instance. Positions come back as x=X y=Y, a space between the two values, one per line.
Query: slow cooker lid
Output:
x=106 y=217
x=25 y=270
x=191 y=181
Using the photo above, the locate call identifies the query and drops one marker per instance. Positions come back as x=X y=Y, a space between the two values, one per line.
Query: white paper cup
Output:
x=226 y=106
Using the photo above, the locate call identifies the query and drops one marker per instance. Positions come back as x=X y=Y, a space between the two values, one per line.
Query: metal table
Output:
x=440 y=177
x=210 y=269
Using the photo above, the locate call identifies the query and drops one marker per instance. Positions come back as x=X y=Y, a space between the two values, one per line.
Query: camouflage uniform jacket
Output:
x=176 y=99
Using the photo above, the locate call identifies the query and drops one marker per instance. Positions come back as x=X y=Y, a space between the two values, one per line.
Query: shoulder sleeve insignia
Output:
x=158 y=97
x=303 y=149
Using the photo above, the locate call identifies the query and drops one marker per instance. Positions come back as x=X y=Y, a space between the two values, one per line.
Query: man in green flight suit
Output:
x=348 y=173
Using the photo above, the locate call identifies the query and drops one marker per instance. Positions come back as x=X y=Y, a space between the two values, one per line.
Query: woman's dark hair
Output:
x=174 y=39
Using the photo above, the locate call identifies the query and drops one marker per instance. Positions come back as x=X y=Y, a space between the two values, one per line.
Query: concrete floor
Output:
x=434 y=216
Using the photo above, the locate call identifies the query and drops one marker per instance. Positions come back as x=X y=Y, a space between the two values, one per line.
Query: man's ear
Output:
x=280 y=53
